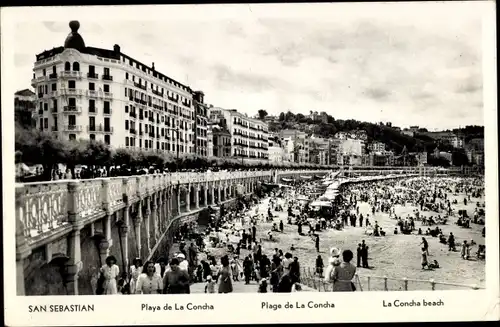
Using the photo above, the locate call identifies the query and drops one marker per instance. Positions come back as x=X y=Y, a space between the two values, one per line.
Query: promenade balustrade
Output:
x=364 y=283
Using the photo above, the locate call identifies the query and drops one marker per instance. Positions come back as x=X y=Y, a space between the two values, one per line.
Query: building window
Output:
x=76 y=66
x=107 y=125
x=72 y=120
x=54 y=87
x=46 y=89
x=126 y=75
x=126 y=124
x=67 y=66
x=126 y=109
x=126 y=141
x=44 y=72
x=71 y=84
x=45 y=123
x=45 y=106
x=106 y=72
x=91 y=105
x=107 y=139
x=91 y=124
x=92 y=86
x=106 y=88
x=92 y=137
x=106 y=108
x=72 y=137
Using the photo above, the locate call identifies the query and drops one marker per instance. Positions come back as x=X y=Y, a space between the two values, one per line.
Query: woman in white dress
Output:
x=149 y=282
x=135 y=272
x=110 y=271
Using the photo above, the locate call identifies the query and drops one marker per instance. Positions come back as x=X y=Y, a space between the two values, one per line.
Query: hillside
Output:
x=391 y=137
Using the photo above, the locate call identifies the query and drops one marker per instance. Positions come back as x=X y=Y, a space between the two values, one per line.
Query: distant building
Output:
x=24 y=108
x=408 y=132
x=421 y=158
x=249 y=137
x=376 y=147
x=276 y=151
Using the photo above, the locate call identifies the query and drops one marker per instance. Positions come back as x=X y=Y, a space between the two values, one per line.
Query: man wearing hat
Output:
x=183 y=263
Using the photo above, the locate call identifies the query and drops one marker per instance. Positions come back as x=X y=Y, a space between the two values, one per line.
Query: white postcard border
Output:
x=246 y=308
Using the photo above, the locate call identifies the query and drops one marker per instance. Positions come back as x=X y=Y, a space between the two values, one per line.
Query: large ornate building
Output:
x=91 y=93
x=249 y=136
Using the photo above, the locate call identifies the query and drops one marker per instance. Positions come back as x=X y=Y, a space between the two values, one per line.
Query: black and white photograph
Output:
x=245 y=149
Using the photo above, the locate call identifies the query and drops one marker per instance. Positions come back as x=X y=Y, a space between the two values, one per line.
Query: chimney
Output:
x=153 y=66
x=116 y=48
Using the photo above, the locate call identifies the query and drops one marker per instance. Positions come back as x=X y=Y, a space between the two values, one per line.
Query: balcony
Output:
x=176 y=100
x=100 y=128
x=107 y=77
x=40 y=95
x=108 y=95
x=92 y=75
x=72 y=92
x=143 y=87
x=71 y=74
x=133 y=114
x=72 y=128
x=54 y=129
x=160 y=94
x=93 y=111
x=92 y=93
x=40 y=111
x=38 y=79
x=107 y=111
x=132 y=131
x=141 y=116
x=53 y=110
x=141 y=133
x=53 y=76
x=72 y=109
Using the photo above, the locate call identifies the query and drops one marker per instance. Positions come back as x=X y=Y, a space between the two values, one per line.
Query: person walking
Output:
x=176 y=280
x=425 y=245
x=225 y=283
x=359 y=252
x=364 y=254
x=110 y=273
x=342 y=275
x=149 y=282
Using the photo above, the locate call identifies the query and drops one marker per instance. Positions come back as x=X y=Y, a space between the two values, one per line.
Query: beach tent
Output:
x=321 y=204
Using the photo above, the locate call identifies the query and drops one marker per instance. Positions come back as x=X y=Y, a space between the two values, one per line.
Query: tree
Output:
x=262 y=114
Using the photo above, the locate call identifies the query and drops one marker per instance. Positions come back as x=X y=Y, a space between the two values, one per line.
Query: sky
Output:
x=405 y=63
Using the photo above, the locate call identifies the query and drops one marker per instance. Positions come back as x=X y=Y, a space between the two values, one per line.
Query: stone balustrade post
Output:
x=197 y=196
x=188 y=197
x=147 y=223
x=74 y=264
x=125 y=229
x=126 y=222
x=218 y=192
x=178 y=200
x=205 y=193
x=137 y=226
x=107 y=242
x=23 y=249
x=154 y=213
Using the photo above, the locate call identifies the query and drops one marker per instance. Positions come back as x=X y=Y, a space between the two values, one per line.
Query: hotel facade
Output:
x=98 y=94
x=249 y=136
